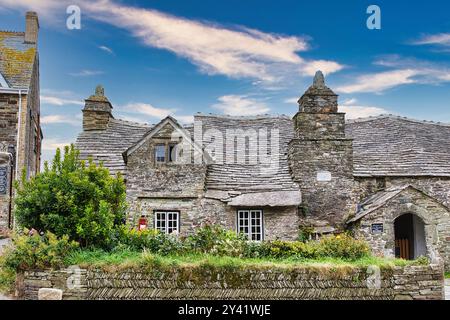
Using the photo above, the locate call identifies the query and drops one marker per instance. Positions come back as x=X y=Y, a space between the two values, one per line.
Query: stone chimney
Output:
x=97 y=111
x=321 y=157
x=318 y=115
x=31 y=27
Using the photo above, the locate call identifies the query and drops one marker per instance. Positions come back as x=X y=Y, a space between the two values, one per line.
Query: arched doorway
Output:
x=409 y=237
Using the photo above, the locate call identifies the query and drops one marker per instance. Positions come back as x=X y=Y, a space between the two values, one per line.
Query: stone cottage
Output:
x=387 y=178
x=20 y=130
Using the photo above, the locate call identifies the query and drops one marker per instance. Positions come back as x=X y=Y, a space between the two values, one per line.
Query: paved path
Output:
x=447 y=289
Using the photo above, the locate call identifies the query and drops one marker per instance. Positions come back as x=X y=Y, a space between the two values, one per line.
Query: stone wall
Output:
x=342 y=283
x=323 y=170
x=434 y=215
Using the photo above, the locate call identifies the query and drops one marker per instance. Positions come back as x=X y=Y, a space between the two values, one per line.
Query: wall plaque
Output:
x=377 y=228
x=324 y=176
x=3 y=180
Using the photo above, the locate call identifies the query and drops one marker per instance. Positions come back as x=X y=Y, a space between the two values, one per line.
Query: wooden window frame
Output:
x=249 y=223
x=166 y=220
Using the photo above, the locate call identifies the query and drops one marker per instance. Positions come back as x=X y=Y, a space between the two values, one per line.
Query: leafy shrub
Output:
x=74 y=199
x=37 y=252
x=343 y=246
x=216 y=240
x=339 y=246
x=150 y=240
x=285 y=249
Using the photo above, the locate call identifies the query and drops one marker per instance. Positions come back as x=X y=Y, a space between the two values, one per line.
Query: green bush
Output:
x=336 y=246
x=214 y=239
x=151 y=240
x=74 y=199
x=342 y=246
x=37 y=252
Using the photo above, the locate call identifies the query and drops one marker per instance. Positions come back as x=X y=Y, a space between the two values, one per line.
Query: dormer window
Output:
x=166 y=153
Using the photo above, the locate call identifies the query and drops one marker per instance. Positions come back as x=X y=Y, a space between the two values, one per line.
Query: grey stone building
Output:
x=20 y=130
x=386 y=178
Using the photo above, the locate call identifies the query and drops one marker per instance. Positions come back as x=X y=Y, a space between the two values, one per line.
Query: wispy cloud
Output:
x=240 y=105
x=130 y=110
x=378 y=82
x=293 y=100
x=440 y=39
x=58 y=101
x=52 y=144
x=106 y=49
x=355 y=110
x=60 y=119
x=86 y=73
x=403 y=71
x=236 y=52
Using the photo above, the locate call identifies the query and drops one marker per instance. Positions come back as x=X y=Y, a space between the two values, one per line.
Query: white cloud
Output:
x=378 y=82
x=86 y=73
x=237 y=52
x=51 y=144
x=442 y=39
x=58 y=101
x=151 y=111
x=147 y=109
x=60 y=119
x=353 y=110
x=327 y=67
x=239 y=105
x=106 y=49
x=293 y=100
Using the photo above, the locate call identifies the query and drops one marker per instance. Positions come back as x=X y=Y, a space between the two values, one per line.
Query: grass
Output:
x=127 y=258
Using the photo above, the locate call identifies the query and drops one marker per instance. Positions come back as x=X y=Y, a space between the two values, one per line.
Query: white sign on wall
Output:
x=324 y=176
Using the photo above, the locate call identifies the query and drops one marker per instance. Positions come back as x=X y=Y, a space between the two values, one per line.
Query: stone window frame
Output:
x=261 y=224
x=166 y=220
x=167 y=144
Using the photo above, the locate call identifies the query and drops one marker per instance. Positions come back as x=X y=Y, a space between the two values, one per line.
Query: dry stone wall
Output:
x=401 y=283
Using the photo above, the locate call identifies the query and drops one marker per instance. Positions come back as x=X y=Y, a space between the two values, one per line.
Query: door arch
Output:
x=410 y=241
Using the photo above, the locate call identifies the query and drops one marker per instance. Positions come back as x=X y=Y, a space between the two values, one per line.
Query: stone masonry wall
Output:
x=328 y=199
x=435 y=217
x=403 y=283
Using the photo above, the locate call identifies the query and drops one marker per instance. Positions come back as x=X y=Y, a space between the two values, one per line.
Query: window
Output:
x=160 y=153
x=250 y=223
x=167 y=221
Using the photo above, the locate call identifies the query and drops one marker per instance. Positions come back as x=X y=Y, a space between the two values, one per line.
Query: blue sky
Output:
x=163 y=57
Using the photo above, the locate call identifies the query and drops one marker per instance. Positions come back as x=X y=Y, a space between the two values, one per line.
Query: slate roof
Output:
x=246 y=177
x=16 y=59
x=377 y=200
x=383 y=146
x=396 y=146
x=108 y=145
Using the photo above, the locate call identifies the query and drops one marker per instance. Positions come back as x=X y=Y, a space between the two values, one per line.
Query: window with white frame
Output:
x=250 y=223
x=167 y=221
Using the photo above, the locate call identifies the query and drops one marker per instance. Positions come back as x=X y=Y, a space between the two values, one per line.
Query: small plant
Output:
x=342 y=246
x=37 y=252
x=150 y=240
x=304 y=234
x=216 y=240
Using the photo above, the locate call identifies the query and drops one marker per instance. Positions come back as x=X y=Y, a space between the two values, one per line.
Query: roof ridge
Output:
x=144 y=125
x=12 y=31
x=397 y=117
x=259 y=116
